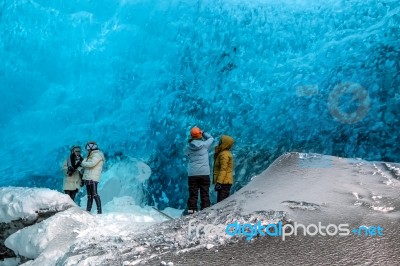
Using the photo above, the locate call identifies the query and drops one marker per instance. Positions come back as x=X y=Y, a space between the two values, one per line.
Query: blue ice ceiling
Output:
x=288 y=75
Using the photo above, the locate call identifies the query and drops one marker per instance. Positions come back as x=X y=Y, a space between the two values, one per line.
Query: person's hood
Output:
x=196 y=144
x=226 y=143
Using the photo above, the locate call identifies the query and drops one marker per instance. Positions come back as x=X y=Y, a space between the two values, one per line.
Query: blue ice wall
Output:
x=135 y=75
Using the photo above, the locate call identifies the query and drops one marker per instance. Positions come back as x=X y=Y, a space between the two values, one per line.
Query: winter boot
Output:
x=98 y=203
x=189 y=212
x=89 y=203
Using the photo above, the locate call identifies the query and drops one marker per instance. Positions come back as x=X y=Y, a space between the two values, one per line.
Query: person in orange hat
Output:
x=198 y=168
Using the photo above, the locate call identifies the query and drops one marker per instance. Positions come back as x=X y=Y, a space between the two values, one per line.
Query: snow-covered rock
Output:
x=22 y=207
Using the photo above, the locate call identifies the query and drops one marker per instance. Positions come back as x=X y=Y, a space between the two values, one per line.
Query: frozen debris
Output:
x=395 y=170
x=302 y=205
x=382 y=209
x=209 y=246
x=310 y=156
x=388 y=182
x=376 y=197
x=165 y=263
x=356 y=195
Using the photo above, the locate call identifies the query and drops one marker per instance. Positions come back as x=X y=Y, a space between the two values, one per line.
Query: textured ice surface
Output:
x=288 y=75
x=287 y=191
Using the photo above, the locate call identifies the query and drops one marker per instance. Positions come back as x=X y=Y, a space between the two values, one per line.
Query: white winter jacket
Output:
x=72 y=182
x=93 y=166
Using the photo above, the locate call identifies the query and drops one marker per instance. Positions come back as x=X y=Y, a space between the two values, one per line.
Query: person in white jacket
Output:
x=93 y=167
x=72 y=172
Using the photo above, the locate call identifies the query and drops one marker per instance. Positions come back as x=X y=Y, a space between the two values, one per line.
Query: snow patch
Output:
x=25 y=203
x=382 y=208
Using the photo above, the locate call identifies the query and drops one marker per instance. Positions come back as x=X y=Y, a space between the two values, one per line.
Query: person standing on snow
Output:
x=93 y=166
x=223 y=167
x=72 y=172
x=198 y=168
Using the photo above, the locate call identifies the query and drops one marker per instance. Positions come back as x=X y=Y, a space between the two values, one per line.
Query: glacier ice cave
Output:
x=136 y=75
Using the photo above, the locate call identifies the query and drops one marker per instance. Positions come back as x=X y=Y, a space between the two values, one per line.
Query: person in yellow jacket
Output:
x=93 y=166
x=223 y=167
x=72 y=172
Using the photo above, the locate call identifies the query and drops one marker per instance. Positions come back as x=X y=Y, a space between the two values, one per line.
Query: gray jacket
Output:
x=197 y=152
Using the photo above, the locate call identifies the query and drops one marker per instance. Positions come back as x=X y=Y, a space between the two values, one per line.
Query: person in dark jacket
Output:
x=223 y=167
x=198 y=168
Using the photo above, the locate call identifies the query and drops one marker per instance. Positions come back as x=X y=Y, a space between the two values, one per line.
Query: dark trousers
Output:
x=71 y=193
x=196 y=183
x=224 y=192
x=91 y=188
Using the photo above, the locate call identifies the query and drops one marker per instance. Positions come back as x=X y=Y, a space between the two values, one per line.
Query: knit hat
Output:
x=196 y=133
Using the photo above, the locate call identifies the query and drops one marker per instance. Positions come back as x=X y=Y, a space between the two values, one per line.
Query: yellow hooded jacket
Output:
x=223 y=161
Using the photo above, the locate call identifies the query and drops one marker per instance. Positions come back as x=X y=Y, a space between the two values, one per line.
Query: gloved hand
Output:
x=206 y=135
x=81 y=171
x=78 y=163
x=217 y=187
x=70 y=171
